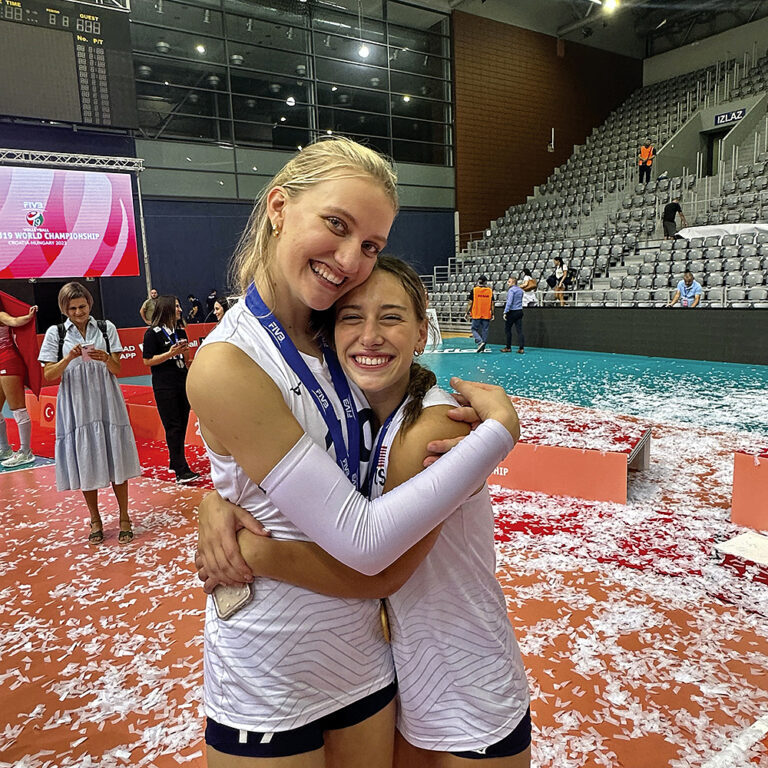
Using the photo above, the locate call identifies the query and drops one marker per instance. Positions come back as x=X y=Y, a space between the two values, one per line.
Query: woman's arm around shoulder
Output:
x=307 y=565
x=410 y=448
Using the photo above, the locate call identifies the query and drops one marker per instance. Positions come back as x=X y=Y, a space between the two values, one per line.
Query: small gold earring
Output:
x=275 y=232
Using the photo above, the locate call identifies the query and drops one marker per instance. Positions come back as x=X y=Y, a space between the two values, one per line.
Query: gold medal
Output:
x=384 y=618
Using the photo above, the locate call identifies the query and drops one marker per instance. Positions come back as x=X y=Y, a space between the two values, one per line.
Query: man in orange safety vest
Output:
x=645 y=160
x=480 y=309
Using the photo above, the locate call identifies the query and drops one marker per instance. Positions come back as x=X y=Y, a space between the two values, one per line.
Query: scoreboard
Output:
x=66 y=61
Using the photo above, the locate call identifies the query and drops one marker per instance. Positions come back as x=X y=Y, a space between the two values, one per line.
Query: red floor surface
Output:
x=642 y=650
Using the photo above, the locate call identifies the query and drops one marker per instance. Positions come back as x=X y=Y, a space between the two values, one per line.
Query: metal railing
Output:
x=454 y=318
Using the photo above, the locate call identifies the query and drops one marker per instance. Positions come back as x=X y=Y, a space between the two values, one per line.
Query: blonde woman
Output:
x=94 y=440
x=297 y=678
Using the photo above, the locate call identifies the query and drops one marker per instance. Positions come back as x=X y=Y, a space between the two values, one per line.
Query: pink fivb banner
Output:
x=58 y=223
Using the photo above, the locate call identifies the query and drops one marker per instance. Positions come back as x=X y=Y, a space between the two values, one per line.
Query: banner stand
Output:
x=85 y=163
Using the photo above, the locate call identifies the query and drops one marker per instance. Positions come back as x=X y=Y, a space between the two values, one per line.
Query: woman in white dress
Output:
x=95 y=446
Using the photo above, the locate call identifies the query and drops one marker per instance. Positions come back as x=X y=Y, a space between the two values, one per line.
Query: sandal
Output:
x=96 y=537
x=125 y=537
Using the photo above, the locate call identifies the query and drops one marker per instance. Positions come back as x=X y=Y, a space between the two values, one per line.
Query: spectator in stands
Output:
x=220 y=307
x=94 y=439
x=562 y=279
x=148 y=307
x=688 y=292
x=529 y=284
x=668 y=218
x=166 y=354
x=645 y=161
x=196 y=312
x=513 y=315
x=480 y=309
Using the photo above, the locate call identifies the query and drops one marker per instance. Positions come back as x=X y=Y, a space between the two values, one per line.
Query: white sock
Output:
x=24 y=424
x=3 y=434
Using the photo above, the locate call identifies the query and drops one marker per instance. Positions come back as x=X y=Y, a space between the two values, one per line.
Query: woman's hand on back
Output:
x=218 y=559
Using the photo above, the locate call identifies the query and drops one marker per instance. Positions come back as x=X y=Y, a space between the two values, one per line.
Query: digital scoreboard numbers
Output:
x=66 y=61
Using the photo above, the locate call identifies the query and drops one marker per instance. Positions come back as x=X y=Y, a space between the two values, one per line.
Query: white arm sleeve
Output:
x=310 y=489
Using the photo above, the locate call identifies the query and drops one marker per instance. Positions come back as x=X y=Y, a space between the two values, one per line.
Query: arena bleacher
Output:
x=593 y=214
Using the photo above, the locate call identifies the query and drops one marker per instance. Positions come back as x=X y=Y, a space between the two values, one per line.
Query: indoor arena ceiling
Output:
x=638 y=28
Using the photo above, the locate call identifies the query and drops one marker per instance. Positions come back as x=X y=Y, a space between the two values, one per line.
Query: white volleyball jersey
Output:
x=461 y=677
x=291 y=655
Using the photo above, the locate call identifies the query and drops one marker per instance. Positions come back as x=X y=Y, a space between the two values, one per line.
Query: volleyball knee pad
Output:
x=370 y=535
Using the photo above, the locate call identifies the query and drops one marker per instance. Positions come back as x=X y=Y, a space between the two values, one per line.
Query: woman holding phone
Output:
x=94 y=440
x=166 y=353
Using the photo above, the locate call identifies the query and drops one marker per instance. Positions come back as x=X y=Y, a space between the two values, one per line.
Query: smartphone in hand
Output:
x=230 y=599
x=86 y=349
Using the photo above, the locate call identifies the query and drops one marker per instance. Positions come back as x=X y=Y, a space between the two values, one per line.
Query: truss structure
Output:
x=115 y=5
x=85 y=162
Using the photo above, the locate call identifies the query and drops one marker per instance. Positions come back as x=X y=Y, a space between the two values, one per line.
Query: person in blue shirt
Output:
x=513 y=315
x=688 y=292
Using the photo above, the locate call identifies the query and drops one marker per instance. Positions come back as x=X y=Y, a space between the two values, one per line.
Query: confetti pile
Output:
x=641 y=648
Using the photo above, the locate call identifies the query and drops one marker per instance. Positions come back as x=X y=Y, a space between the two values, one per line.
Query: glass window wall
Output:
x=282 y=73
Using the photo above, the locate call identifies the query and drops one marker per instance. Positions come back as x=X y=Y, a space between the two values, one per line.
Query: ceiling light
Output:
x=660 y=24
x=334 y=88
x=406 y=98
x=610 y=5
x=162 y=47
x=290 y=101
x=282 y=119
x=364 y=51
x=200 y=48
x=299 y=147
x=236 y=59
x=329 y=132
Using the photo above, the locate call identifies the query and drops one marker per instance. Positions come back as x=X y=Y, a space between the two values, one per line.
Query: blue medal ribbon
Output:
x=173 y=338
x=374 y=465
x=347 y=459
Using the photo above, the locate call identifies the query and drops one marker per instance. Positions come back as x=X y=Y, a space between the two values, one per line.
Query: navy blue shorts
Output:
x=517 y=741
x=307 y=738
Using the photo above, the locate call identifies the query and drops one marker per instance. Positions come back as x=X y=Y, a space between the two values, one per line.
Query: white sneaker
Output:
x=19 y=459
x=6 y=453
